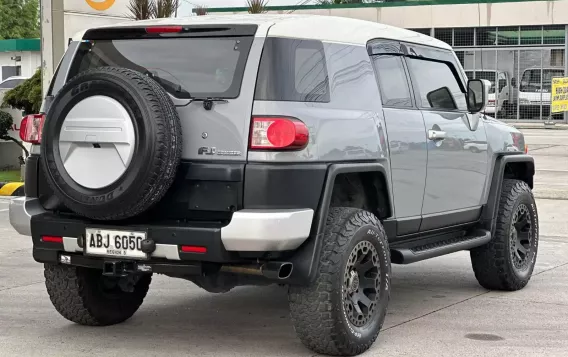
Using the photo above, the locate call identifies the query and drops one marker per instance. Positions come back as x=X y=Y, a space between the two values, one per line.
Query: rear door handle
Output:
x=436 y=135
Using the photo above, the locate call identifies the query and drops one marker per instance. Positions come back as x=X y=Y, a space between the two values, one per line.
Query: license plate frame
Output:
x=130 y=237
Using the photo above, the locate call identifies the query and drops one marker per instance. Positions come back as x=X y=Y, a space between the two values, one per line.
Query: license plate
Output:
x=111 y=243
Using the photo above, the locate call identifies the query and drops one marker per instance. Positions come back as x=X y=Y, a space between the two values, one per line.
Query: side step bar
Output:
x=408 y=253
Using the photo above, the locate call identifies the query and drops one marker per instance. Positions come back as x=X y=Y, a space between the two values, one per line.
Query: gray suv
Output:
x=305 y=151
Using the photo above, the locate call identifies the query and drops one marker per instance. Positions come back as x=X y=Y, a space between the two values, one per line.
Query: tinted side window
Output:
x=437 y=85
x=393 y=83
x=292 y=70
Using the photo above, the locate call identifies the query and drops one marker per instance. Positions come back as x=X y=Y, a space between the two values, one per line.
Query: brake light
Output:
x=51 y=239
x=31 y=128
x=164 y=29
x=278 y=133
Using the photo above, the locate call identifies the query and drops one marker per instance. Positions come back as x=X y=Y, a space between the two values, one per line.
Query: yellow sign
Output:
x=100 y=5
x=559 y=99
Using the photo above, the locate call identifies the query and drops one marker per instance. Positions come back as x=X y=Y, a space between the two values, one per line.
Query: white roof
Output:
x=324 y=28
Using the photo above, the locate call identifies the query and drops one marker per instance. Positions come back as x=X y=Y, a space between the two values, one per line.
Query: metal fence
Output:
x=519 y=61
x=521 y=79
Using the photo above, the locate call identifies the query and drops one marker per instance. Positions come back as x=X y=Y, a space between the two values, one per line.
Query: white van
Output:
x=501 y=97
x=534 y=90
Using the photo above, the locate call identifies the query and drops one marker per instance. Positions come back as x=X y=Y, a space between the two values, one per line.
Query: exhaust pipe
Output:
x=270 y=270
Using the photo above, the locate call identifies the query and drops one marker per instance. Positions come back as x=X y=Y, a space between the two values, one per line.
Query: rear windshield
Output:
x=292 y=70
x=185 y=67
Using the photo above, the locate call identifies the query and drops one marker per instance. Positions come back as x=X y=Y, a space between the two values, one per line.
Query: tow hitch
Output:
x=119 y=268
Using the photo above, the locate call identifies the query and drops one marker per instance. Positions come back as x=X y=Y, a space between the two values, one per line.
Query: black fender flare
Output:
x=306 y=258
x=490 y=210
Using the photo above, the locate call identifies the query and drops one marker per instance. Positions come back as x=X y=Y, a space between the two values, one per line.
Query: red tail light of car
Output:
x=278 y=133
x=31 y=128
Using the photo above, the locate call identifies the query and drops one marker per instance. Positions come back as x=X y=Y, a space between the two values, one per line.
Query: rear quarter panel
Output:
x=349 y=127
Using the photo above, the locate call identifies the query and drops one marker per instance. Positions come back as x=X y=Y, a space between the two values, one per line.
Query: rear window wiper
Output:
x=207 y=101
x=174 y=88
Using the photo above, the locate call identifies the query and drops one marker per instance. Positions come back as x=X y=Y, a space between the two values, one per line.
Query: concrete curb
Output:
x=12 y=189
x=537 y=125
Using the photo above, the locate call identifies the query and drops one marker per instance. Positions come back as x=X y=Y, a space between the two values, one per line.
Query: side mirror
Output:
x=477 y=95
x=514 y=82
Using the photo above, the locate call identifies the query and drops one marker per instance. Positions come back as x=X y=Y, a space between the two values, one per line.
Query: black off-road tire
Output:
x=157 y=151
x=320 y=317
x=76 y=294
x=494 y=264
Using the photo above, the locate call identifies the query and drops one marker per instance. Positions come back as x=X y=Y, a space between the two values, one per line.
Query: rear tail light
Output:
x=52 y=239
x=31 y=128
x=278 y=133
x=193 y=249
x=164 y=29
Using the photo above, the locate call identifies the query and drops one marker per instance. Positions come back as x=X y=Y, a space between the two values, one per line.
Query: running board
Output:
x=411 y=253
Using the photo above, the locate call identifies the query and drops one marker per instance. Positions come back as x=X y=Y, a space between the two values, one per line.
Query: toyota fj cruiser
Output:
x=250 y=150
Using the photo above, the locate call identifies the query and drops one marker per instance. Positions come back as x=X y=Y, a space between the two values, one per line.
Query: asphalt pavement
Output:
x=436 y=308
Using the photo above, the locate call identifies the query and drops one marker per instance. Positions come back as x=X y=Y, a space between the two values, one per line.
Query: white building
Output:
x=20 y=57
x=61 y=19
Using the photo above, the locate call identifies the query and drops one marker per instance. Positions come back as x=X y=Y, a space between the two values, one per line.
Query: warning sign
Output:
x=559 y=94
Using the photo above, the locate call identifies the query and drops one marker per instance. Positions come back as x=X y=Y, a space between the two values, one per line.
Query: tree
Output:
x=257 y=6
x=201 y=10
x=141 y=9
x=6 y=122
x=19 y=19
x=149 y=9
x=27 y=96
x=165 y=8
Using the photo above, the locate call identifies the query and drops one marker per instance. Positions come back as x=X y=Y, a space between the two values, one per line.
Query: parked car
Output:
x=534 y=90
x=502 y=96
x=217 y=150
x=12 y=82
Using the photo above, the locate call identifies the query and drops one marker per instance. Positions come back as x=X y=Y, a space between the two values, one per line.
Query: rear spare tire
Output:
x=111 y=143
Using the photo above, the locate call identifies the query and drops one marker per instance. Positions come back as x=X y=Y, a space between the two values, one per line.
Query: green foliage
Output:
x=257 y=6
x=149 y=9
x=6 y=122
x=141 y=9
x=201 y=10
x=165 y=8
x=27 y=96
x=19 y=19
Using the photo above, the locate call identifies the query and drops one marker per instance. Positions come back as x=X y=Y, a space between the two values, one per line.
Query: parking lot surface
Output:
x=436 y=308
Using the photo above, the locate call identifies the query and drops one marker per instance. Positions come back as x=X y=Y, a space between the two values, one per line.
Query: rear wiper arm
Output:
x=207 y=101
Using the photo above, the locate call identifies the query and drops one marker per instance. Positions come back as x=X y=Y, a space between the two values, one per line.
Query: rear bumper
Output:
x=249 y=231
x=21 y=211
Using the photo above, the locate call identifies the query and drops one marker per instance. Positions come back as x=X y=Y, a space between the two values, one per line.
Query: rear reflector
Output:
x=276 y=133
x=164 y=29
x=31 y=127
x=51 y=239
x=193 y=249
